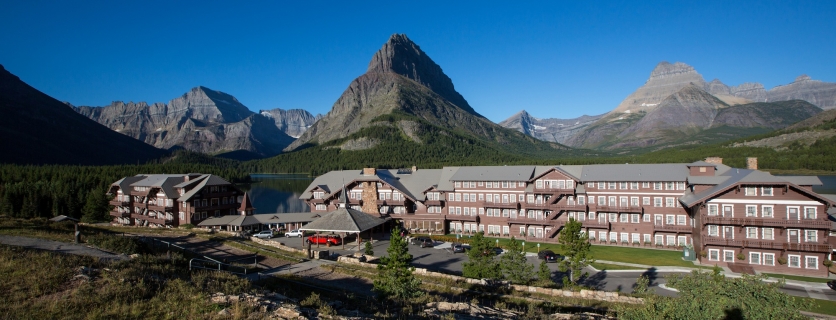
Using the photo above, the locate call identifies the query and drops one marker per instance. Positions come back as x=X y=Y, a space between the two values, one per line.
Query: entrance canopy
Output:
x=344 y=220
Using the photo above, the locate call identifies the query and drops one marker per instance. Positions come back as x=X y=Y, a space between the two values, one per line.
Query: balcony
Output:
x=165 y=208
x=544 y=205
x=530 y=221
x=119 y=203
x=596 y=224
x=768 y=222
x=228 y=206
x=151 y=219
x=605 y=208
x=501 y=205
x=434 y=203
x=568 y=207
x=456 y=217
x=672 y=228
x=812 y=247
x=316 y=201
x=118 y=214
x=389 y=202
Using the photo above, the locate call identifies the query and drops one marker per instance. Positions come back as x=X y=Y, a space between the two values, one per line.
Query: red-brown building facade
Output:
x=718 y=210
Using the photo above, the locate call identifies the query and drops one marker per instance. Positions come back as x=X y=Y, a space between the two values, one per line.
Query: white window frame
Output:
x=771 y=211
x=624 y=218
x=770 y=257
x=713 y=230
x=713 y=254
x=750 y=191
x=728 y=255
x=807 y=237
x=771 y=234
x=645 y=184
x=815 y=263
x=766 y=191
x=681 y=220
x=634 y=218
x=715 y=208
x=815 y=213
x=751 y=211
x=751 y=232
x=670 y=202
x=791 y=264
x=647 y=237
x=657 y=202
x=646 y=217
x=754 y=258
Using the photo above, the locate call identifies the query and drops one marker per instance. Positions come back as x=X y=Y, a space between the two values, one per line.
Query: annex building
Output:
x=163 y=200
x=731 y=216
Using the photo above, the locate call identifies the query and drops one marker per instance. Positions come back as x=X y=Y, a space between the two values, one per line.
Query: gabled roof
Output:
x=124 y=184
x=165 y=182
x=736 y=177
x=494 y=173
x=344 y=220
x=635 y=172
x=444 y=182
x=710 y=180
x=701 y=164
x=230 y=220
x=411 y=184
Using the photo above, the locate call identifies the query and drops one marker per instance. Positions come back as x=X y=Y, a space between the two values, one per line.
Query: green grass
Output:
x=798 y=278
x=821 y=306
x=607 y=266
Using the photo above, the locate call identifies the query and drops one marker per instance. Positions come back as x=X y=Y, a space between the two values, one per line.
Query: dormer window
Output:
x=319 y=195
x=766 y=191
x=751 y=191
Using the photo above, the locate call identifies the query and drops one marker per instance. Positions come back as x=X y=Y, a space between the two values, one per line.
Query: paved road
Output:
x=440 y=258
x=57 y=246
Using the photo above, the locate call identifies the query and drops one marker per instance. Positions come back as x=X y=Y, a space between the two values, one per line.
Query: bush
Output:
x=827 y=263
x=187 y=226
x=741 y=256
x=116 y=244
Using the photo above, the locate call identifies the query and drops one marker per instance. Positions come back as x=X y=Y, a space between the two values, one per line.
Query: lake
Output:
x=271 y=193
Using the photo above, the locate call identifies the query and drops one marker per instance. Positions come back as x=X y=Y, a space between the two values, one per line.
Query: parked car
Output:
x=294 y=233
x=549 y=256
x=324 y=239
x=458 y=247
x=422 y=241
x=426 y=243
x=266 y=234
x=832 y=284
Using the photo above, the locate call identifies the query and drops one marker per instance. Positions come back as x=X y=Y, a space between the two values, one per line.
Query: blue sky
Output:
x=555 y=59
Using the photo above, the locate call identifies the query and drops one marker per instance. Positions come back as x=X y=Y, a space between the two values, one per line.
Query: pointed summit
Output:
x=402 y=56
x=665 y=79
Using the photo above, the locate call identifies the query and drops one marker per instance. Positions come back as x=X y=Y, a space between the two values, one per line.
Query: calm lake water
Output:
x=272 y=193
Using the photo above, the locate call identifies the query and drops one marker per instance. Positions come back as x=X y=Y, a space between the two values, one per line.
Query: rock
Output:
x=293 y=122
x=550 y=129
x=665 y=79
x=202 y=120
x=225 y=312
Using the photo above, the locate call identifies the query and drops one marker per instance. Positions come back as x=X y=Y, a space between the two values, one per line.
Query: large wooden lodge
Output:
x=730 y=216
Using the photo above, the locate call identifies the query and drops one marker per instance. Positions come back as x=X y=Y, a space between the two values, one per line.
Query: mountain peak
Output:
x=404 y=57
x=665 y=69
x=802 y=77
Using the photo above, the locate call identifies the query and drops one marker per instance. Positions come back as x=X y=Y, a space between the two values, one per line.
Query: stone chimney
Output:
x=714 y=160
x=414 y=168
x=369 y=171
x=752 y=163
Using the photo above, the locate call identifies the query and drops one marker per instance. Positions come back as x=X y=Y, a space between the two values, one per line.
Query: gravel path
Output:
x=57 y=246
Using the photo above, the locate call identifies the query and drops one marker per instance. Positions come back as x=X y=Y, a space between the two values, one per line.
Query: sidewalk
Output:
x=726 y=271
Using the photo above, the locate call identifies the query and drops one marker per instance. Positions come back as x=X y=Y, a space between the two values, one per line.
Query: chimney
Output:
x=414 y=168
x=714 y=160
x=752 y=163
x=369 y=171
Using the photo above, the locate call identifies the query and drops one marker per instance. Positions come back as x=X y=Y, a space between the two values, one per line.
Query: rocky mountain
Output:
x=550 y=129
x=665 y=80
x=404 y=85
x=38 y=129
x=684 y=115
x=293 y=122
x=202 y=120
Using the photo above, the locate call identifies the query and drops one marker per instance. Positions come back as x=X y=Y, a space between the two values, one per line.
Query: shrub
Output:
x=187 y=226
x=782 y=260
x=827 y=263
x=114 y=243
x=741 y=256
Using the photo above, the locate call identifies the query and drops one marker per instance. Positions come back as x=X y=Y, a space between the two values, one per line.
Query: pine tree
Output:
x=514 y=265
x=96 y=208
x=481 y=263
x=395 y=279
x=544 y=275
x=576 y=247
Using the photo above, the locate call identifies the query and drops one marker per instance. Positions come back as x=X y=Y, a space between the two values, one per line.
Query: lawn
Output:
x=607 y=266
x=798 y=278
x=821 y=306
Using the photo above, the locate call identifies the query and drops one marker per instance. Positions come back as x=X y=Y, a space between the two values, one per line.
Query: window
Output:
x=611 y=185
x=521 y=198
x=768 y=234
x=728 y=255
x=481 y=183
x=538 y=184
x=680 y=186
x=625 y=237
x=634 y=218
x=634 y=201
x=751 y=191
x=766 y=191
x=625 y=217
x=613 y=236
x=521 y=183
x=751 y=232
x=602 y=185
x=671 y=240
x=481 y=211
x=754 y=258
x=670 y=219
x=645 y=184
x=635 y=237
x=810 y=236
x=657 y=186
x=769 y=259
x=669 y=186
x=809 y=212
x=320 y=207
x=602 y=201
x=660 y=239
x=504 y=184
x=794 y=261
x=812 y=262
x=751 y=211
x=458 y=184
x=646 y=201
x=766 y=211
x=182 y=216
x=647 y=238
x=680 y=220
x=712 y=209
x=613 y=217
x=713 y=230
x=612 y=202
x=466 y=197
x=561 y=184
x=657 y=202
x=504 y=198
x=681 y=240
x=622 y=185
x=592 y=216
x=581 y=200
x=669 y=202
x=602 y=235
x=646 y=218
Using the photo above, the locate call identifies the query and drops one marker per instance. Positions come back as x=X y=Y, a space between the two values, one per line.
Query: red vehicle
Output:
x=323 y=239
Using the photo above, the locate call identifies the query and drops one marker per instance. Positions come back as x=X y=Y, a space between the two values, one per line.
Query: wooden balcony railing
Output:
x=607 y=208
x=152 y=219
x=389 y=202
x=768 y=222
x=119 y=203
x=501 y=205
x=166 y=208
x=527 y=220
x=434 y=202
x=120 y=214
x=814 y=247
x=672 y=228
x=596 y=224
x=457 y=217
